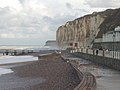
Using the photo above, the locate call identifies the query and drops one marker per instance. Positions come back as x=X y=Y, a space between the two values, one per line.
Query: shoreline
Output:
x=17 y=63
x=50 y=72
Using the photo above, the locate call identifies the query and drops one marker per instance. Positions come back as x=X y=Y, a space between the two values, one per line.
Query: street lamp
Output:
x=113 y=43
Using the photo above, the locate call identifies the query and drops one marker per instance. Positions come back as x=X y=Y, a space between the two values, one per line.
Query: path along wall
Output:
x=105 y=61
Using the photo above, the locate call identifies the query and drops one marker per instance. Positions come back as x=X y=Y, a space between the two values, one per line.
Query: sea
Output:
x=6 y=62
x=6 y=59
x=22 y=47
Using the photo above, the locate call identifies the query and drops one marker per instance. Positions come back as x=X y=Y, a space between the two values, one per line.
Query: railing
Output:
x=104 y=53
x=88 y=81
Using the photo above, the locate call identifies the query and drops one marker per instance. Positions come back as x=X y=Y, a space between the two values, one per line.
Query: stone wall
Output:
x=109 y=62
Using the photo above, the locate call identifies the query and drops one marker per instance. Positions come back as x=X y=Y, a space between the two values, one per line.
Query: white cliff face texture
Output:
x=83 y=30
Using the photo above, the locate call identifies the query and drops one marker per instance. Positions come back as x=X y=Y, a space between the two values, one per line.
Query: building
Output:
x=109 y=40
x=112 y=36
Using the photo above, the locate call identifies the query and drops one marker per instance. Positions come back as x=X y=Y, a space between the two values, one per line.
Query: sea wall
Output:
x=105 y=61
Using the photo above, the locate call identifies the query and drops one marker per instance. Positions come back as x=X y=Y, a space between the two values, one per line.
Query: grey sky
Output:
x=35 y=21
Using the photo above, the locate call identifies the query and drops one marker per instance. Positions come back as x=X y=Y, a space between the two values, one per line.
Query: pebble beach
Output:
x=50 y=72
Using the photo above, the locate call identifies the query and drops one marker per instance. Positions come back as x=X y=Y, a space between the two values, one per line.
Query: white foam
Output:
x=15 y=59
x=5 y=71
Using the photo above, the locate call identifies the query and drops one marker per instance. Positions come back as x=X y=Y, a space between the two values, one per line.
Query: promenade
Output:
x=107 y=79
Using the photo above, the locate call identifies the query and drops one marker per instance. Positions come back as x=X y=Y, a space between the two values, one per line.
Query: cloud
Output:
x=103 y=3
x=38 y=20
x=69 y=6
x=10 y=3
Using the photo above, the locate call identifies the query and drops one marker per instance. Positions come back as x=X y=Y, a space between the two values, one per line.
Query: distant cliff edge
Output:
x=82 y=31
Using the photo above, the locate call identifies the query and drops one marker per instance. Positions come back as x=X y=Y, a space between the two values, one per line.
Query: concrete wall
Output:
x=109 y=62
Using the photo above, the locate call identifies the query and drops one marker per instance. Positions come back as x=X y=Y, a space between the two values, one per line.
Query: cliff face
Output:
x=85 y=29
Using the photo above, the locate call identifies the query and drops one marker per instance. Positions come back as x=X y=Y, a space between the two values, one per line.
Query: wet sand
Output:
x=50 y=72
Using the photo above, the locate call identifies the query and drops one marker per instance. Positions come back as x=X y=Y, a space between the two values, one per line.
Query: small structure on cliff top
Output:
x=52 y=44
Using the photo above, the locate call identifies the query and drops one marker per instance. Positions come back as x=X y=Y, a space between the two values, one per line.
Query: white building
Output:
x=112 y=36
x=109 y=40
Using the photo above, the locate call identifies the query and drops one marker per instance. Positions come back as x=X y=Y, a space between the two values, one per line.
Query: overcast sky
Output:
x=32 y=22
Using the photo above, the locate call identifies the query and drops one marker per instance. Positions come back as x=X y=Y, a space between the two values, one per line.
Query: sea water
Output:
x=5 y=71
x=13 y=59
x=27 y=47
x=17 y=59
